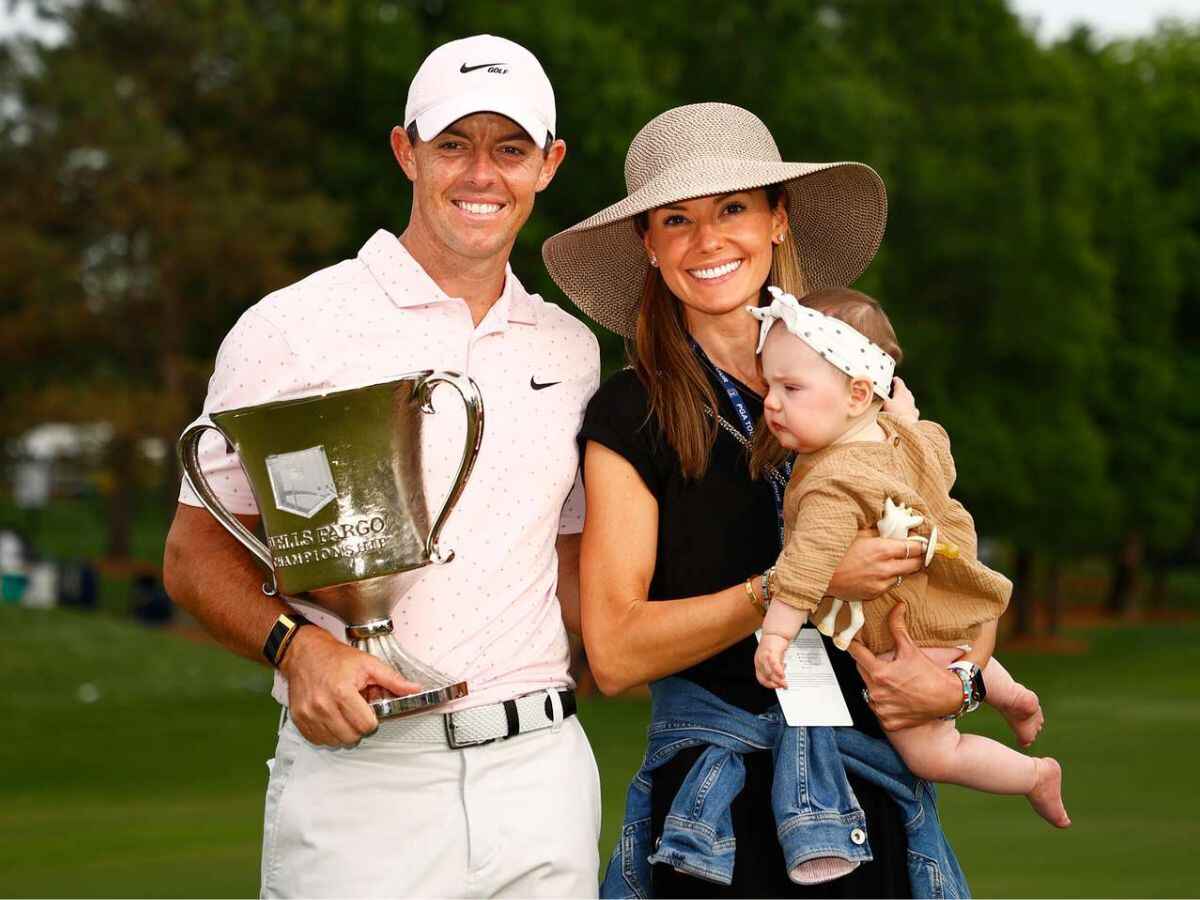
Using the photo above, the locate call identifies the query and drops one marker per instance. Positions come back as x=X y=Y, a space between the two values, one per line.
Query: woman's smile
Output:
x=716 y=274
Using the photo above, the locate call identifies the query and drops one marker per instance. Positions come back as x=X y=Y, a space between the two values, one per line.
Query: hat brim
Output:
x=836 y=211
x=433 y=121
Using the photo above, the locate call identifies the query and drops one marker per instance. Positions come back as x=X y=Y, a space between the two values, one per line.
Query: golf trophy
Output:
x=337 y=478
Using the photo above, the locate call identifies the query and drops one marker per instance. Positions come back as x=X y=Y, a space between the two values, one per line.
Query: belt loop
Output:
x=556 y=708
x=512 y=718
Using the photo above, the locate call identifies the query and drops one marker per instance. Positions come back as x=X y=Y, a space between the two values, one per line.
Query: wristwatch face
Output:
x=978 y=688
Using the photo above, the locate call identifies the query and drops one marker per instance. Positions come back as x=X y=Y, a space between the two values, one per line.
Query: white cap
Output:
x=483 y=73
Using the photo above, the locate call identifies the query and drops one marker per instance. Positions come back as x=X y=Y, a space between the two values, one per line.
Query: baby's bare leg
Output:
x=938 y=752
x=1017 y=703
x=1010 y=698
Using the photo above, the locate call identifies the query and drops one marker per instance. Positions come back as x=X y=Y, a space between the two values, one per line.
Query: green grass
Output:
x=155 y=788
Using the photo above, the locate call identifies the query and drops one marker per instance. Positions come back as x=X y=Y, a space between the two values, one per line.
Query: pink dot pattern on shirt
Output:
x=491 y=615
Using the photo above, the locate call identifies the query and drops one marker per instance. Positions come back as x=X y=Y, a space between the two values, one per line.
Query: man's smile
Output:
x=476 y=208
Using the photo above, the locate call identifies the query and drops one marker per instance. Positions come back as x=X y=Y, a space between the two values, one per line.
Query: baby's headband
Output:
x=840 y=344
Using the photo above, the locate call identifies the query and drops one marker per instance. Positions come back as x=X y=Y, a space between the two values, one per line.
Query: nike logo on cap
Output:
x=464 y=68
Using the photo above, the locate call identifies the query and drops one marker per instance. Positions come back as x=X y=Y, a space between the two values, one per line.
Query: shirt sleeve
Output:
x=254 y=365
x=570 y=521
x=619 y=418
x=828 y=516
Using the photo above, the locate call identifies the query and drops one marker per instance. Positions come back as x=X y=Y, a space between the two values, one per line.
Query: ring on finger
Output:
x=899 y=581
x=866 y=696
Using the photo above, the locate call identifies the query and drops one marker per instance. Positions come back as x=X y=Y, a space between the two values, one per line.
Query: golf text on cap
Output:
x=497 y=68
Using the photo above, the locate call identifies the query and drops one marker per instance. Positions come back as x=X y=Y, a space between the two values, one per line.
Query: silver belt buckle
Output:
x=452 y=737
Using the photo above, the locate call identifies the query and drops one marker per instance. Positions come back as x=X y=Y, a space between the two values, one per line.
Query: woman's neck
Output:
x=730 y=341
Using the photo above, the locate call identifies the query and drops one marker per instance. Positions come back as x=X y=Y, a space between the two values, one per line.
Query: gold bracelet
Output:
x=754 y=599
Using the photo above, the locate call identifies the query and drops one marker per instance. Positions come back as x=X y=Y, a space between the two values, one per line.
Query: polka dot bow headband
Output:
x=840 y=344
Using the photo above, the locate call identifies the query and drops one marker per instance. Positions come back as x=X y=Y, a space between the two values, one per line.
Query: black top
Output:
x=713 y=533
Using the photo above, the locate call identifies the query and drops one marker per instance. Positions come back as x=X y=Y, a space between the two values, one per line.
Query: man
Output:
x=405 y=808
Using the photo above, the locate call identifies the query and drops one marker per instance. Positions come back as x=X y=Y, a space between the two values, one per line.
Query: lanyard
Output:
x=747 y=423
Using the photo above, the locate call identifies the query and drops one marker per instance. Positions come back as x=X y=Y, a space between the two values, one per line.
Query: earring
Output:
x=778 y=238
x=654 y=260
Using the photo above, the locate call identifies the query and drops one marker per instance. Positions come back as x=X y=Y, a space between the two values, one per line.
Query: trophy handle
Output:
x=189 y=460
x=469 y=391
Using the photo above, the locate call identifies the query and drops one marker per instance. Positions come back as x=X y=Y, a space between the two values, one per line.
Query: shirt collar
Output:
x=407 y=284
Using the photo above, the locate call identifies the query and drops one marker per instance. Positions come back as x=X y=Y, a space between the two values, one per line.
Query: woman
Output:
x=713 y=215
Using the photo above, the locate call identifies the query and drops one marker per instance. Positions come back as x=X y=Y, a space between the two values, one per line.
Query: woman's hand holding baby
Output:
x=902 y=405
x=910 y=689
x=871 y=566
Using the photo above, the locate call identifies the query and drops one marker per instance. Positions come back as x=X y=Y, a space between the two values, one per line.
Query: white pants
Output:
x=518 y=817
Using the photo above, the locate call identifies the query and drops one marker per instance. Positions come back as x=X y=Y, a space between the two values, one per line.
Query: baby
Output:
x=829 y=365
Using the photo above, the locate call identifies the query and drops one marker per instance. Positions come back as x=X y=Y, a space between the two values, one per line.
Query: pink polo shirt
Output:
x=491 y=615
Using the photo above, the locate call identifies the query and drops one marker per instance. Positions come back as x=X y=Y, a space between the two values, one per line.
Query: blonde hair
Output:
x=860 y=312
x=662 y=356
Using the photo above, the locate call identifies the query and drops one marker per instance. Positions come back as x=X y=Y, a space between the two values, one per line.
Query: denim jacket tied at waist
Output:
x=816 y=812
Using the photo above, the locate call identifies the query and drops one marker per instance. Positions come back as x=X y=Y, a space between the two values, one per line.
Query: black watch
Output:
x=974 y=690
x=280 y=638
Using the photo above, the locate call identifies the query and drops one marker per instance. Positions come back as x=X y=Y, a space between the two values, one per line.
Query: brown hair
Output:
x=860 y=312
x=664 y=361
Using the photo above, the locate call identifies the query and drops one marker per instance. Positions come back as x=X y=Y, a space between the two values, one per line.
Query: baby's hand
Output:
x=902 y=405
x=768 y=661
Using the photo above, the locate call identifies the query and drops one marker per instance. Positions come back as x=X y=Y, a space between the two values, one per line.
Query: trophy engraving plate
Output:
x=344 y=540
x=301 y=481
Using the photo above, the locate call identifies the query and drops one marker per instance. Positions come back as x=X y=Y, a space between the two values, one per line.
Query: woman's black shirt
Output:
x=715 y=532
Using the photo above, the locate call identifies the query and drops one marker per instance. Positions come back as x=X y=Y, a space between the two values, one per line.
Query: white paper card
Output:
x=812 y=696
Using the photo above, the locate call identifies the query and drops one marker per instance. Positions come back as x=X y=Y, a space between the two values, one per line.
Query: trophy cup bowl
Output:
x=337 y=478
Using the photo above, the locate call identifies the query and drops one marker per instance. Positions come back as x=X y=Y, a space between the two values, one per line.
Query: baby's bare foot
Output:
x=1024 y=715
x=1046 y=796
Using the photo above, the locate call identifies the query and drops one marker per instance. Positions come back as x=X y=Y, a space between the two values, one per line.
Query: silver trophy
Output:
x=337 y=478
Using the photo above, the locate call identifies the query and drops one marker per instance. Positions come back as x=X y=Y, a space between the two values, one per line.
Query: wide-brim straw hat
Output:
x=836 y=210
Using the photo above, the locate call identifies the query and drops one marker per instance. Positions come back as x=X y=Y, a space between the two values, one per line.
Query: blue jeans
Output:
x=815 y=810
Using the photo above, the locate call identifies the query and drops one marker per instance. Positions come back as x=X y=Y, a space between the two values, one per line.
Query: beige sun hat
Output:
x=836 y=210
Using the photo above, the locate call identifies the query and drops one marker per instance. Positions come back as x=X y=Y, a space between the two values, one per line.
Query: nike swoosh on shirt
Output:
x=539 y=387
x=464 y=68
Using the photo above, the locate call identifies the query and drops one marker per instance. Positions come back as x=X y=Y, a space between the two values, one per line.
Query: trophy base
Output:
x=395 y=707
x=375 y=637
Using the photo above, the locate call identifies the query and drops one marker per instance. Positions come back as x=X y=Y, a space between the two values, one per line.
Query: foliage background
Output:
x=163 y=165
x=167 y=164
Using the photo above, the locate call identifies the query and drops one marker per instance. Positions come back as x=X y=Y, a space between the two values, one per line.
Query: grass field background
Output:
x=133 y=765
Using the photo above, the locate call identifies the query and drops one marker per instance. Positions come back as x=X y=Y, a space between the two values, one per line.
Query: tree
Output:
x=1136 y=233
x=999 y=297
x=150 y=200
